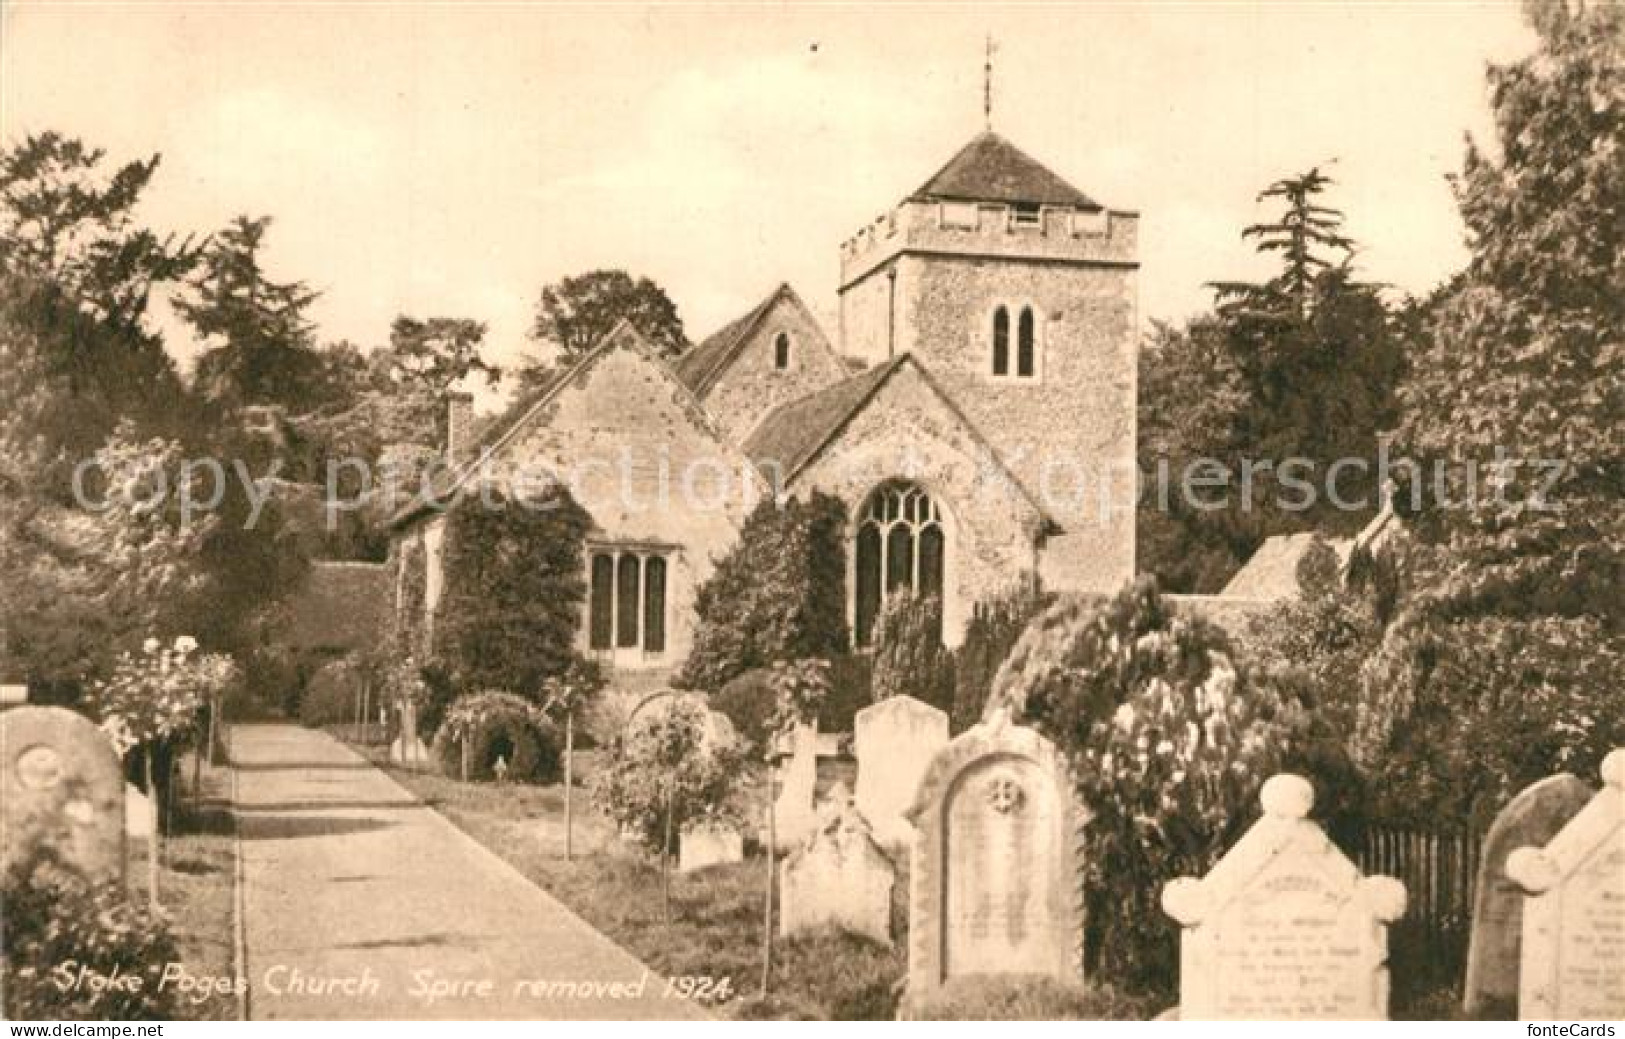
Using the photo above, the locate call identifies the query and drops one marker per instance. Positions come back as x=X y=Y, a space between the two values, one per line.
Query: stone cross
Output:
x=60 y=781
x=1284 y=927
x=895 y=741
x=840 y=877
x=994 y=883
x=1495 y=946
x=1573 y=964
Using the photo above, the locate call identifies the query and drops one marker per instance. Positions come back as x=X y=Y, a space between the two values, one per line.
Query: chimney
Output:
x=459 y=417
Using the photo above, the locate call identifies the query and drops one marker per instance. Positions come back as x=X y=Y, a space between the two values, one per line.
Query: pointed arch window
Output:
x=781 y=351
x=901 y=544
x=1025 y=347
x=1001 y=341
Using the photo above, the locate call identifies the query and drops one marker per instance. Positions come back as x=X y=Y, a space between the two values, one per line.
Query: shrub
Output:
x=909 y=658
x=663 y=773
x=331 y=694
x=747 y=703
x=54 y=916
x=995 y=625
x=779 y=594
x=499 y=725
x=1169 y=737
x=1030 y=998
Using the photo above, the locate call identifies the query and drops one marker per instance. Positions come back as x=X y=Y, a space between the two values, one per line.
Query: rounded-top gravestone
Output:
x=61 y=783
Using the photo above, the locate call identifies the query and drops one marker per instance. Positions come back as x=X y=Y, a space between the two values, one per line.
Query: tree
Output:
x=263 y=350
x=576 y=313
x=572 y=692
x=779 y=594
x=665 y=773
x=79 y=272
x=436 y=354
x=1495 y=672
x=995 y=625
x=1169 y=736
x=1301 y=366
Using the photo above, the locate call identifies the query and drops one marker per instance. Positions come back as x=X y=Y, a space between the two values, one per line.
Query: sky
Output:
x=451 y=159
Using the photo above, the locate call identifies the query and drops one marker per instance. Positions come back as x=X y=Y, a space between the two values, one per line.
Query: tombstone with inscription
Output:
x=709 y=844
x=61 y=783
x=1574 y=916
x=1534 y=817
x=839 y=877
x=994 y=879
x=895 y=741
x=1284 y=927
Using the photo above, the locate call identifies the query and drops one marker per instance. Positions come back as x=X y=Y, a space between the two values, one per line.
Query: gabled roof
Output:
x=1272 y=572
x=497 y=435
x=700 y=367
x=991 y=169
x=795 y=434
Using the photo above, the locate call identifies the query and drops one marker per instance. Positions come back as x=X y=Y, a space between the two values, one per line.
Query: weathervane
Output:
x=987 y=84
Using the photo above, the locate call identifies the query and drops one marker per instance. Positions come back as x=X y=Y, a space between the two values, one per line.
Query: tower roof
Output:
x=991 y=169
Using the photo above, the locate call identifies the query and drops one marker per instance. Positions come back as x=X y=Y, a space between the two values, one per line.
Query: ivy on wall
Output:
x=779 y=594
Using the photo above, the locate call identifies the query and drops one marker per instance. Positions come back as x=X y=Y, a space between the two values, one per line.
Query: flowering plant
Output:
x=156 y=694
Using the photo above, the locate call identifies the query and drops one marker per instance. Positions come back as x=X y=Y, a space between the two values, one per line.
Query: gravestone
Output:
x=61 y=782
x=994 y=880
x=139 y=818
x=1573 y=964
x=1495 y=947
x=1284 y=927
x=793 y=811
x=709 y=844
x=840 y=877
x=895 y=741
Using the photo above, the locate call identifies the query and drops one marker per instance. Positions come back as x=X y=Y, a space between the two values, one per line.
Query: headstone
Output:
x=61 y=782
x=793 y=814
x=408 y=750
x=709 y=844
x=1574 y=916
x=1495 y=947
x=895 y=740
x=1284 y=928
x=840 y=877
x=139 y=818
x=994 y=880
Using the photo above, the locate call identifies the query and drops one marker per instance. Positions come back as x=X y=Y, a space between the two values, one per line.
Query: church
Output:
x=974 y=410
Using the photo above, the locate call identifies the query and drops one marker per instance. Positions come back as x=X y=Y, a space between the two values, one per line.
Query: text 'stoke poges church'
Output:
x=979 y=396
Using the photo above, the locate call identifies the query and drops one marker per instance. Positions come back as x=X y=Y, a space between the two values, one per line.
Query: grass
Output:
x=715 y=928
x=197 y=889
x=1032 y=999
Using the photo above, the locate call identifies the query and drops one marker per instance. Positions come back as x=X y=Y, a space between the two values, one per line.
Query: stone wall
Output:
x=1069 y=429
x=751 y=387
x=908 y=432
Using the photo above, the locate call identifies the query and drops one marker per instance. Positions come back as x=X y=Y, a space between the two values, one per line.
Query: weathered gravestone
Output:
x=895 y=741
x=709 y=844
x=793 y=811
x=61 y=783
x=1284 y=928
x=1495 y=947
x=994 y=880
x=839 y=877
x=1574 y=918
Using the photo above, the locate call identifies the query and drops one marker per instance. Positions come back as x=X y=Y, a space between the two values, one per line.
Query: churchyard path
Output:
x=361 y=902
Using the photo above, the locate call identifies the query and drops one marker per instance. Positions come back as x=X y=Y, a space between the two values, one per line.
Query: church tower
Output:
x=1017 y=293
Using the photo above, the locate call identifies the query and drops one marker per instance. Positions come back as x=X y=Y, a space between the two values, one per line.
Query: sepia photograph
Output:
x=760 y=512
